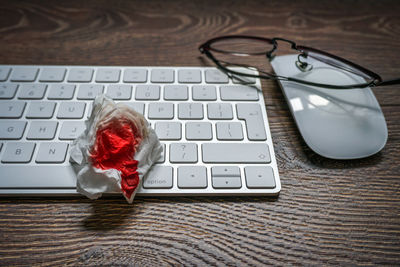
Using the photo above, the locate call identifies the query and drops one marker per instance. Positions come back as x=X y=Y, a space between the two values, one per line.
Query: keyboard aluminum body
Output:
x=215 y=130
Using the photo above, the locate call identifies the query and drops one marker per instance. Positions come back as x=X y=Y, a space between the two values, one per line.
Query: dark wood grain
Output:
x=328 y=213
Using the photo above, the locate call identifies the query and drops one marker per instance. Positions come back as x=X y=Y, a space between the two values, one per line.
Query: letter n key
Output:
x=52 y=152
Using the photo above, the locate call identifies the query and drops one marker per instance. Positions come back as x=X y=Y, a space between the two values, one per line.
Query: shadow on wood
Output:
x=107 y=216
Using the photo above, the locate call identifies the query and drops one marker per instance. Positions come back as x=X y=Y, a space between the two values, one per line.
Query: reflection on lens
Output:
x=241 y=46
x=338 y=64
x=242 y=78
x=330 y=74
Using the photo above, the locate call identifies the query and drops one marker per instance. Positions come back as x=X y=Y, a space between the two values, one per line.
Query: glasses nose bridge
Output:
x=275 y=45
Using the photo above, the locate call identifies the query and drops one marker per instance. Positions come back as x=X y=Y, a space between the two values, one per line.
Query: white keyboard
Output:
x=214 y=130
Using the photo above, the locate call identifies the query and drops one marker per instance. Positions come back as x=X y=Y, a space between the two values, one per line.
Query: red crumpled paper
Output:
x=115 y=152
x=115 y=148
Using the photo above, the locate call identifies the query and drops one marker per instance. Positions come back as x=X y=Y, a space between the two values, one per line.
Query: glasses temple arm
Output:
x=389 y=82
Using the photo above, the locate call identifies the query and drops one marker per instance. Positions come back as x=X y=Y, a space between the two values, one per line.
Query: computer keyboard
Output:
x=214 y=129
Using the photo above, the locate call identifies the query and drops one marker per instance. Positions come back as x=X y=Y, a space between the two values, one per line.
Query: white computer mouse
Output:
x=337 y=124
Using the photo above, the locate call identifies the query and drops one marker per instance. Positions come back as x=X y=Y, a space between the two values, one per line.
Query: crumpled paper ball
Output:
x=115 y=151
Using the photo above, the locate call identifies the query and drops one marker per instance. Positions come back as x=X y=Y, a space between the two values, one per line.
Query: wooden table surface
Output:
x=329 y=212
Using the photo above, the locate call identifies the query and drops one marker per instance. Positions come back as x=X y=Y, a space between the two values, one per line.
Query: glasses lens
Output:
x=324 y=69
x=242 y=46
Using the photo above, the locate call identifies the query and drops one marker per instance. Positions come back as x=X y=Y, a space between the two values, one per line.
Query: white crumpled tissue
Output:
x=115 y=151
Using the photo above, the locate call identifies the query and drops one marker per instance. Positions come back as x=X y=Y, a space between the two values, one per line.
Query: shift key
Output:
x=235 y=153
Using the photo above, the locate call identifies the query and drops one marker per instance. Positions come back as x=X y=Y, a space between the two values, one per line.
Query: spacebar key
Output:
x=235 y=153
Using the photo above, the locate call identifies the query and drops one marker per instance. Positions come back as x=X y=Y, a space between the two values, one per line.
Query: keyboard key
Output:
x=61 y=91
x=42 y=130
x=32 y=91
x=11 y=109
x=135 y=76
x=162 y=157
x=108 y=75
x=89 y=91
x=168 y=130
x=225 y=171
x=189 y=76
x=119 y=92
x=137 y=106
x=80 y=75
x=158 y=177
x=218 y=111
x=7 y=90
x=229 y=131
x=198 y=131
x=204 y=92
x=239 y=93
x=183 y=152
x=259 y=177
x=41 y=110
x=18 y=152
x=54 y=152
x=162 y=76
x=70 y=130
x=52 y=75
x=216 y=76
x=161 y=111
x=227 y=177
x=235 y=153
x=71 y=110
x=38 y=176
x=176 y=92
x=147 y=92
x=252 y=115
x=12 y=130
x=192 y=177
x=4 y=72
x=190 y=111
x=24 y=74
x=226 y=182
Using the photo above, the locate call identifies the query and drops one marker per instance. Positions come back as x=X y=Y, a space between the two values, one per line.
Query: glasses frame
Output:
x=207 y=49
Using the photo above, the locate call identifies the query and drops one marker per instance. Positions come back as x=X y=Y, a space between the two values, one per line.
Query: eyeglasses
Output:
x=308 y=60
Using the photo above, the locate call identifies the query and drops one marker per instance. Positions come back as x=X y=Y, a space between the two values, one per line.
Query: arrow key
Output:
x=233 y=182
